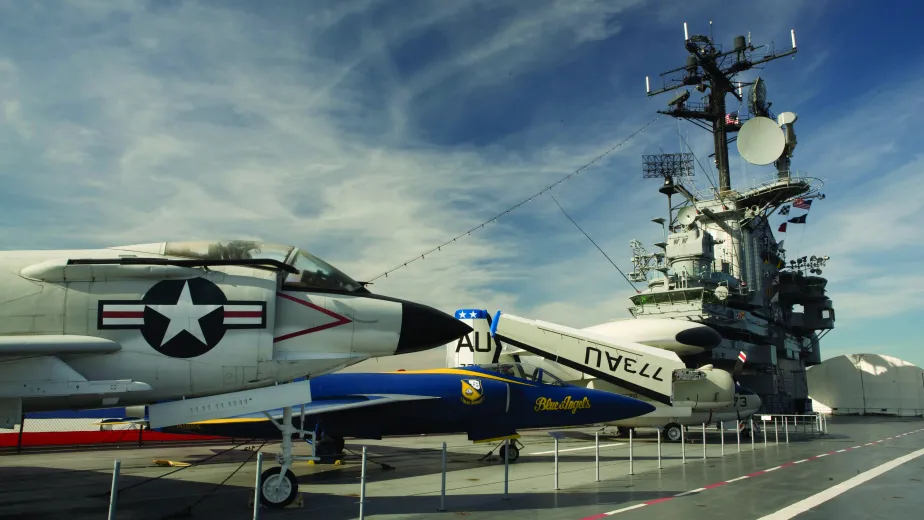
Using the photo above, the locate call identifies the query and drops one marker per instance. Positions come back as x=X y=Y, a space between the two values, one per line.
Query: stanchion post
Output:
x=362 y=488
x=776 y=430
x=786 y=428
x=683 y=447
x=114 y=489
x=631 y=466
x=597 y=456
x=556 y=463
x=722 y=434
x=738 y=435
x=704 y=441
x=764 y=432
x=506 y=469
x=443 y=486
x=659 y=448
x=751 y=426
x=256 y=486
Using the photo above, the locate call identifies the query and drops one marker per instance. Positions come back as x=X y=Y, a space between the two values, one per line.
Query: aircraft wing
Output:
x=647 y=370
x=321 y=406
x=30 y=367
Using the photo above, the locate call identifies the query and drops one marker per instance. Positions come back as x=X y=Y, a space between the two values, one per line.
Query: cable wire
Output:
x=594 y=243
x=483 y=224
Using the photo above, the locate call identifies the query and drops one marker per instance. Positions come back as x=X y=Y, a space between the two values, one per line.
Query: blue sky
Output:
x=370 y=131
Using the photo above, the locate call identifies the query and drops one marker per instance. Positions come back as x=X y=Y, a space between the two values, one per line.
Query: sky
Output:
x=369 y=132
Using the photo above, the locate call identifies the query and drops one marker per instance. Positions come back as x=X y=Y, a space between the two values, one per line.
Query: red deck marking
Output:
x=722 y=483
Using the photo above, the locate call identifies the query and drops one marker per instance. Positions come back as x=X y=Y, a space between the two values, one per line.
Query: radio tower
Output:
x=708 y=68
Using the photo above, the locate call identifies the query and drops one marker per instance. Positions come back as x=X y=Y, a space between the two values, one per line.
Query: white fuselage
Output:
x=170 y=340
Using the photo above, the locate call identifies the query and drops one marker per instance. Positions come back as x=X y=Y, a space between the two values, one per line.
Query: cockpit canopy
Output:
x=525 y=371
x=314 y=273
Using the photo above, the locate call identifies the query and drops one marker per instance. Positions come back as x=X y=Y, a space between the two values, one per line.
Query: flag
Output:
x=798 y=220
x=784 y=210
x=802 y=204
x=731 y=119
x=782 y=228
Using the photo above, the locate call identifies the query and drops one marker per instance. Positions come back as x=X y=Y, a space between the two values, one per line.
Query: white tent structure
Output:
x=867 y=384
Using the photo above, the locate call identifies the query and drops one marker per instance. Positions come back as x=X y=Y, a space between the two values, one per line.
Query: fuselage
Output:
x=484 y=403
x=746 y=403
x=187 y=331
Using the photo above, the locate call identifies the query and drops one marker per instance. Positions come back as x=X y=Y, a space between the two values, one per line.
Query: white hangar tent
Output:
x=867 y=384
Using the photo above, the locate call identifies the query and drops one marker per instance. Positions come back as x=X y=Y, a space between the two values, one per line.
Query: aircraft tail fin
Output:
x=477 y=347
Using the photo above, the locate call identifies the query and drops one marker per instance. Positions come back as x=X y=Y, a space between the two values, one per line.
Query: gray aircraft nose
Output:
x=703 y=337
x=423 y=328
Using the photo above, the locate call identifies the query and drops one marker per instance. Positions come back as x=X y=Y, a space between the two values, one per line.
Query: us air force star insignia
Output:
x=182 y=318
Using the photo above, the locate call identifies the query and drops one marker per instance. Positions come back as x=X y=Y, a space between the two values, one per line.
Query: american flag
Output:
x=731 y=119
x=802 y=204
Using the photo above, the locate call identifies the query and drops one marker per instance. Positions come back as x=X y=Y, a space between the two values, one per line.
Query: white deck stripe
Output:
x=771 y=469
x=623 y=510
x=833 y=491
x=576 y=449
x=685 y=493
x=736 y=479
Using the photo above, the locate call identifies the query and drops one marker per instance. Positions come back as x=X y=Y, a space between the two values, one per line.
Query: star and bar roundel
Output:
x=182 y=318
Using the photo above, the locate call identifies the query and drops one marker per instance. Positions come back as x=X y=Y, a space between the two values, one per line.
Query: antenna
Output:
x=667 y=166
x=708 y=68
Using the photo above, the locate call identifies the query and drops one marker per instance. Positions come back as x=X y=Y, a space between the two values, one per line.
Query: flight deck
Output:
x=403 y=477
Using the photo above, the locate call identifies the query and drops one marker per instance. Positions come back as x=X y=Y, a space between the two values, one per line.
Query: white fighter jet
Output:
x=212 y=327
x=637 y=358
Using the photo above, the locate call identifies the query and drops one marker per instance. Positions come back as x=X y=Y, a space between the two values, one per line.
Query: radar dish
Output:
x=721 y=292
x=787 y=118
x=760 y=141
x=757 y=100
x=686 y=215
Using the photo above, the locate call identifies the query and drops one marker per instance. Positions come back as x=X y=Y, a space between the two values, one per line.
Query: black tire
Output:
x=514 y=453
x=287 y=492
x=672 y=432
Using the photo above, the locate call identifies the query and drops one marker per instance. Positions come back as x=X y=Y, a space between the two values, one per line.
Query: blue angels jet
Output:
x=489 y=402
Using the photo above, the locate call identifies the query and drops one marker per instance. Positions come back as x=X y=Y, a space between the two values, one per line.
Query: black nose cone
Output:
x=423 y=328
x=703 y=337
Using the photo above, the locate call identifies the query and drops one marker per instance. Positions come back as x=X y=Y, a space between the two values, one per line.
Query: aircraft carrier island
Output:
x=719 y=262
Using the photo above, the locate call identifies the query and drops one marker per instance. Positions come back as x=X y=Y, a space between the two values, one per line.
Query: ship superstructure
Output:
x=720 y=263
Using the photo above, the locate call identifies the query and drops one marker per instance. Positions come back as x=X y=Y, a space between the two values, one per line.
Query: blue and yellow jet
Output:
x=489 y=402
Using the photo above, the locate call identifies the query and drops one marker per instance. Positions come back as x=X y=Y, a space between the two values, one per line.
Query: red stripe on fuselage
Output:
x=123 y=314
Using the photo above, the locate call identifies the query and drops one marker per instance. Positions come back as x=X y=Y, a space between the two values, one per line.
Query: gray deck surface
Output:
x=47 y=485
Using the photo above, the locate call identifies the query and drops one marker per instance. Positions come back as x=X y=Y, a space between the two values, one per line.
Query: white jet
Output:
x=623 y=357
x=213 y=327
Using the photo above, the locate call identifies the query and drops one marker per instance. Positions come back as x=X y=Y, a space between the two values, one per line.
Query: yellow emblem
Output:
x=544 y=404
x=472 y=391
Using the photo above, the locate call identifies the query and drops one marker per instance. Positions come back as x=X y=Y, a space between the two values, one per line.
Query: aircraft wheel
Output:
x=279 y=498
x=514 y=453
x=672 y=432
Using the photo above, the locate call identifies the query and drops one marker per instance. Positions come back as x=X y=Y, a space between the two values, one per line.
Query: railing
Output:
x=794 y=177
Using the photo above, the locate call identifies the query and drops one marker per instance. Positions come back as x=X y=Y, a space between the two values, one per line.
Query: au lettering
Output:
x=466 y=341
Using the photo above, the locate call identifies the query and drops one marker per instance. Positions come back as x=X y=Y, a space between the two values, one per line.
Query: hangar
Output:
x=867 y=384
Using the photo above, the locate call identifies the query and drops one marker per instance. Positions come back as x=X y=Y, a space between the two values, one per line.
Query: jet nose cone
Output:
x=702 y=337
x=423 y=328
x=617 y=407
x=637 y=407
